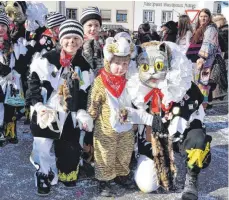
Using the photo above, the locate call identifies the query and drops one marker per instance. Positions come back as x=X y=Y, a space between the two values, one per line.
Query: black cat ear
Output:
x=162 y=47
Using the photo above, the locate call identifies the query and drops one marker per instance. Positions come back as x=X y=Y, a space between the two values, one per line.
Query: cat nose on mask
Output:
x=152 y=70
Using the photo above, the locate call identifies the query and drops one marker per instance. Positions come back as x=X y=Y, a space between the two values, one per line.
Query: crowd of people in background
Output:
x=72 y=81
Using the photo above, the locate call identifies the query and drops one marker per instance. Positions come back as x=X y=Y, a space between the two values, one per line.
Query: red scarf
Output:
x=114 y=84
x=156 y=101
x=65 y=59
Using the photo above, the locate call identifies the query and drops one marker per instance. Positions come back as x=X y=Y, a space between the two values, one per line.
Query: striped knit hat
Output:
x=4 y=19
x=55 y=19
x=91 y=13
x=70 y=27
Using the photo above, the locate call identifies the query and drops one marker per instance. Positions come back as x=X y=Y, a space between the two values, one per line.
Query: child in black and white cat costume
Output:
x=58 y=85
x=164 y=89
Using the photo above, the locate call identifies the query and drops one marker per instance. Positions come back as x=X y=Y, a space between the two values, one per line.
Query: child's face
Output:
x=55 y=31
x=91 y=28
x=71 y=44
x=119 y=67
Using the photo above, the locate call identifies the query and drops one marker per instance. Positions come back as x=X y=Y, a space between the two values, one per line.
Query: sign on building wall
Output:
x=158 y=13
x=169 y=5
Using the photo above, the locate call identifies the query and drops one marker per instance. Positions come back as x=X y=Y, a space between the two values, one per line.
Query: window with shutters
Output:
x=121 y=15
x=106 y=15
x=166 y=16
x=71 y=13
x=148 y=16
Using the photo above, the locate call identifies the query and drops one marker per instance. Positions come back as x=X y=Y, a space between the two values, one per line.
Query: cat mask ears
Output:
x=165 y=48
x=161 y=46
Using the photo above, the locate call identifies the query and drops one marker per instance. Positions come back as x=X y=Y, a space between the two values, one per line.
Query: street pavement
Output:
x=17 y=173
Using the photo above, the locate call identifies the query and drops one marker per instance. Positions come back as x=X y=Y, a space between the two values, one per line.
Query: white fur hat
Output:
x=119 y=46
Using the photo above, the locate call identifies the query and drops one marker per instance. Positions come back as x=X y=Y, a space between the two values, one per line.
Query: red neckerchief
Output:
x=157 y=97
x=49 y=34
x=114 y=84
x=65 y=59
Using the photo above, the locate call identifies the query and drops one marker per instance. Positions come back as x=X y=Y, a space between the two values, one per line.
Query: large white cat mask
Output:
x=177 y=77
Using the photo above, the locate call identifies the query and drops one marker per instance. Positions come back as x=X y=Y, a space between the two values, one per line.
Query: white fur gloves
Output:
x=139 y=116
x=84 y=120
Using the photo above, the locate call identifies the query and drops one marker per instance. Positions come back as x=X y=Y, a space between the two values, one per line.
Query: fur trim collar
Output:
x=177 y=82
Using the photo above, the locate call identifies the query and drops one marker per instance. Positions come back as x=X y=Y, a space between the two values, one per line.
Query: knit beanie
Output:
x=55 y=19
x=90 y=13
x=4 y=19
x=70 y=27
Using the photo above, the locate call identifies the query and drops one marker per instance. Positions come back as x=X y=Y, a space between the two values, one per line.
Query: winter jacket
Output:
x=223 y=40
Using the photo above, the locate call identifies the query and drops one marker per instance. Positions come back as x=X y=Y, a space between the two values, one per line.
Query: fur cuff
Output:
x=84 y=118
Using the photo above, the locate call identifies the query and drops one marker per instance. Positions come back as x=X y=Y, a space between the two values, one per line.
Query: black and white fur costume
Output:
x=184 y=125
x=46 y=76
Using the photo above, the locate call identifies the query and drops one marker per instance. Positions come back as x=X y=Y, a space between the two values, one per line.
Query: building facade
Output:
x=130 y=14
x=159 y=12
x=115 y=14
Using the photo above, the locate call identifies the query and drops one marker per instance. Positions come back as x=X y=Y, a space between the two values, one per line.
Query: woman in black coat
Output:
x=169 y=31
x=145 y=34
x=222 y=25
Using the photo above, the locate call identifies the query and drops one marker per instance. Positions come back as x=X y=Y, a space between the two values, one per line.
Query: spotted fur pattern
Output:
x=112 y=151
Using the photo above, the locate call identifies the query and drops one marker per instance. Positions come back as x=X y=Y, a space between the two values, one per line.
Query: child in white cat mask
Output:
x=164 y=89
